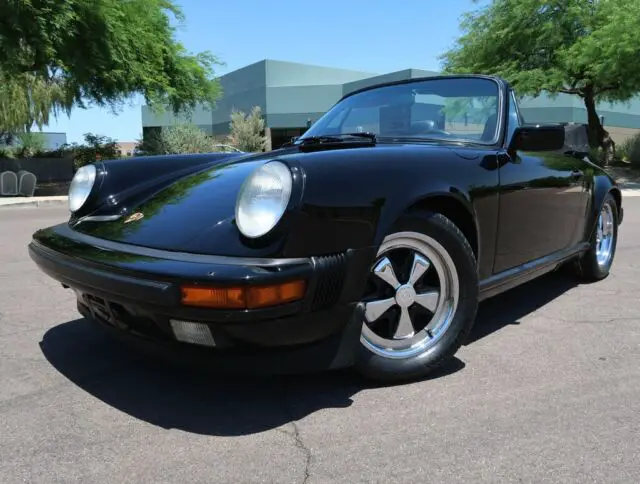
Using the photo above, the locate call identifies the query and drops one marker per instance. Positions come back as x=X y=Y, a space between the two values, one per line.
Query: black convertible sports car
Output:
x=366 y=242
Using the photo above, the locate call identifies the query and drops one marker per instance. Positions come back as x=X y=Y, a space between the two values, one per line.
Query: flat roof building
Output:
x=291 y=95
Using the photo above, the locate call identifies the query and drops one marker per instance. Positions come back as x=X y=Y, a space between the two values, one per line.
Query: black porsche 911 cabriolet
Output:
x=368 y=242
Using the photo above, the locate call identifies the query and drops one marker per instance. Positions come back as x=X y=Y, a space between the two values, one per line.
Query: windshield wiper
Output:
x=334 y=138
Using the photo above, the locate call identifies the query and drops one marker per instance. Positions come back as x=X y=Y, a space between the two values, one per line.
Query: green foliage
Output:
x=23 y=145
x=149 y=144
x=177 y=139
x=30 y=144
x=27 y=99
x=7 y=152
x=55 y=55
x=247 y=131
x=185 y=138
x=597 y=156
x=630 y=150
x=587 y=48
x=477 y=109
x=94 y=148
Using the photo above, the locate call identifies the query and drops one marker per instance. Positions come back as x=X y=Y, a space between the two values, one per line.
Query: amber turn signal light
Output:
x=249 y=297
x=214 y=297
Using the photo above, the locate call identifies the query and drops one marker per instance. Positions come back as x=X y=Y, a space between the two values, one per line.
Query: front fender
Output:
x=426 y=195
x=353 y=197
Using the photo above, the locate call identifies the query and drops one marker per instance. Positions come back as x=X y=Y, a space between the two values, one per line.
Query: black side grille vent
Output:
x=331 y=271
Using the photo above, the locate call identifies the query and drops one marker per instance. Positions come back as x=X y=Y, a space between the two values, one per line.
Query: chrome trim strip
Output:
x=99 y=218
x=96 y=218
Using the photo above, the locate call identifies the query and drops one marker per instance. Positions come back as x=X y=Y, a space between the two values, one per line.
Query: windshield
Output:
x=455 y=109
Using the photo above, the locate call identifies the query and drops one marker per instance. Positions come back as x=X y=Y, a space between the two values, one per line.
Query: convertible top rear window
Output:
x=455 y=109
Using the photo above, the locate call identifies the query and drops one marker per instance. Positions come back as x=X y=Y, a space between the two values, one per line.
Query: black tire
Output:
x=439 y=228
x=587 y=266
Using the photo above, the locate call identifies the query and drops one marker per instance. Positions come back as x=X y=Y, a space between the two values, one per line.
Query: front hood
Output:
x=196 y=213
x=179 y=217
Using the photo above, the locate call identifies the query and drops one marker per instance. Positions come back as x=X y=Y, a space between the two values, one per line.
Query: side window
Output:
x=513 y=120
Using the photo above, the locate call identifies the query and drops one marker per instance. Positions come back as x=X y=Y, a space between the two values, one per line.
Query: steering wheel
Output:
x=427 y=127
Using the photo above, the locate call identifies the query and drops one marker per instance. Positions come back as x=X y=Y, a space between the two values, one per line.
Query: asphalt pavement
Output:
x=546 y=390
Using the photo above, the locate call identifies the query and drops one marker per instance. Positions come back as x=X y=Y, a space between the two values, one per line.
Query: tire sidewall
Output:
x=590 y=266
x=449 y=236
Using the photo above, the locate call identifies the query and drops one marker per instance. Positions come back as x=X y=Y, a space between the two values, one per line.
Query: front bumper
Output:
x=135 y=292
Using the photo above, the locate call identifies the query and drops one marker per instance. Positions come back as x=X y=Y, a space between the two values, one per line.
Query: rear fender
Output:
x=602 y=185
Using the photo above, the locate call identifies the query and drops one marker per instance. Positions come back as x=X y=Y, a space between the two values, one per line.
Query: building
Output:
x=127 y=148
x=292 y=95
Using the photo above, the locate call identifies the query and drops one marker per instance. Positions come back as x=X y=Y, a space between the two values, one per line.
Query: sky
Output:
x=377 y=36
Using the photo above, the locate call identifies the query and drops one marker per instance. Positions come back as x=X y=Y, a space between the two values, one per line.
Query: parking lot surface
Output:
x=547 y=389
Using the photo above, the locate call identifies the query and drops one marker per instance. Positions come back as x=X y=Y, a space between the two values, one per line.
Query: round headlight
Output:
x=263 y=199
x=81 y=186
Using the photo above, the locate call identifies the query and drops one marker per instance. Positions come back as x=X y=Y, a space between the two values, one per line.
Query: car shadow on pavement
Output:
x=198 y=401
x=193 y=399
x=510 y=307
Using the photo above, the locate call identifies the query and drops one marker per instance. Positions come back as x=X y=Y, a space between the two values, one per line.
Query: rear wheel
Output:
x=596 y=263
x=421 y=299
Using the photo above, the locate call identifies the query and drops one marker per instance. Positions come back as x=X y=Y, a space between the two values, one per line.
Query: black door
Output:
x=541 y=202
x=543 y=199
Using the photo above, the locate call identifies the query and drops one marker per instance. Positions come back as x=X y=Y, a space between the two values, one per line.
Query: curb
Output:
x=630 y=192
x=33 y=203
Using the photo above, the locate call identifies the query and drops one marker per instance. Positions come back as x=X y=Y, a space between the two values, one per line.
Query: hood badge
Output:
x=133 y=217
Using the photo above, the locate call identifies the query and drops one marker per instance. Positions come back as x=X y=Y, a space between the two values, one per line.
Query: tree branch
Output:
x=570 y=91
x=609 y=87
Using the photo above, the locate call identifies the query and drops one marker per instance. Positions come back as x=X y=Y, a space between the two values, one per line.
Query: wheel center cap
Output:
x=405 y=296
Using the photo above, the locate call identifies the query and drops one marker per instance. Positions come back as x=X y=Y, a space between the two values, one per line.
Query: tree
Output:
x=247 y=131
x=27 y=99
x=56 y=55
x=95 y=147
x=588 y=48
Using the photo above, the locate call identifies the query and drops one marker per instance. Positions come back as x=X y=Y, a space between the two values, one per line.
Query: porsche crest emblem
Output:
x=133 y=217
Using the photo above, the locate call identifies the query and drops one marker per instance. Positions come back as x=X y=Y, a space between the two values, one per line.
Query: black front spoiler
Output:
x=332 y=353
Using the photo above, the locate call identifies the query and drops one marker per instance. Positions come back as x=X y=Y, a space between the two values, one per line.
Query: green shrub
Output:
x=23 y=145
x=7 y=152
x=597 y=156
x=94 y=148
x=30 y=144
x=629 y=150
x=247 y=132
x=175 y=140
x=185 y=139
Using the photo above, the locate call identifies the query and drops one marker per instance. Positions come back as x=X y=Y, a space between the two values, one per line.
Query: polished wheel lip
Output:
x=407 y=344
x=605 y=235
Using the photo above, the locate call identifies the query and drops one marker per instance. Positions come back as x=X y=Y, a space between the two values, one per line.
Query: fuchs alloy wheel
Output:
x=596 y=263
x=421 y=299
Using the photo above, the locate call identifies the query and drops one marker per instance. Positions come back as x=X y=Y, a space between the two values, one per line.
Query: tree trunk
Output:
x=598 y=136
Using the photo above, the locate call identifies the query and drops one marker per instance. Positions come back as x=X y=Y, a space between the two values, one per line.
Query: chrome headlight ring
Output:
x=263 y=199
x=81 y=186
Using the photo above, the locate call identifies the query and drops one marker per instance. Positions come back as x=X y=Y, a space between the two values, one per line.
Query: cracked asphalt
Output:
x=546 y=390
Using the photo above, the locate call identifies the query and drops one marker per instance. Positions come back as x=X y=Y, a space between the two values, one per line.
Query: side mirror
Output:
x=538 y=138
